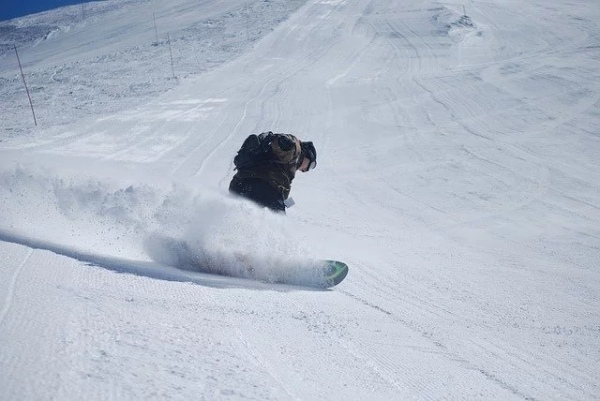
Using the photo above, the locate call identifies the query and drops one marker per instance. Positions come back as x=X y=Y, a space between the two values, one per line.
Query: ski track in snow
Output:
x=457 y=177
x=10 y=293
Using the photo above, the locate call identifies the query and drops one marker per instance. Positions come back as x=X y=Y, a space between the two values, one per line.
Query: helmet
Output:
x=309 y=151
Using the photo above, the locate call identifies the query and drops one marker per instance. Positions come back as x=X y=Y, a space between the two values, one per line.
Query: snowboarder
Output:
x=266 y=165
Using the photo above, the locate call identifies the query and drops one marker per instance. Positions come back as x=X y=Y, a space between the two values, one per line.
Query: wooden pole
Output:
x=25 y=83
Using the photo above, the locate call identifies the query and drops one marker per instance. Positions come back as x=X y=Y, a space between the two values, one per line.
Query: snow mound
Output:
x=456 y=26
x=66 y=89
x=33 y=29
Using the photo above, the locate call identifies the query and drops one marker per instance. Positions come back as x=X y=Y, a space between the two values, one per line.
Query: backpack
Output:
x=255 y=150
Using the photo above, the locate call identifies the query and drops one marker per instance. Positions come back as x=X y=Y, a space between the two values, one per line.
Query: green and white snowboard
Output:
x=335 y=272
x=178 y=253
x=322 y=274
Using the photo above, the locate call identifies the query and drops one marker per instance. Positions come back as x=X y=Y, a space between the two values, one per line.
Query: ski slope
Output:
x=458 y=177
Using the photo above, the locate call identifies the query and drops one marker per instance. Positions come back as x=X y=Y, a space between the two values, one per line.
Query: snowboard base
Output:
x=335 y=272
x=178 y=253
x=325 y=274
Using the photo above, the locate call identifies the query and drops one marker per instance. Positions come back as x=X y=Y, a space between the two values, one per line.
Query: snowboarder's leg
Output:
x=258 y=191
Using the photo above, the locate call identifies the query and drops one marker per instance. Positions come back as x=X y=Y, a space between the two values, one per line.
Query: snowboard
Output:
x=335 y=272
x=322 y=274
x=179 y=254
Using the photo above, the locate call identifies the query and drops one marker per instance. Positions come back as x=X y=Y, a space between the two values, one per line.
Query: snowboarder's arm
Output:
x=286 y=148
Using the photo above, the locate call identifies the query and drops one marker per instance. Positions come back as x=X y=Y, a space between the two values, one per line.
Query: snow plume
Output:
x=170 y=223
x=234 y=237
x=85 y=213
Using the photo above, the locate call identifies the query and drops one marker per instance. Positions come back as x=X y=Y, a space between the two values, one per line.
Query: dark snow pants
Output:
x=258 y=191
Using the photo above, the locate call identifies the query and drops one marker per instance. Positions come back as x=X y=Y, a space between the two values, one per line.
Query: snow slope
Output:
x=458 y=177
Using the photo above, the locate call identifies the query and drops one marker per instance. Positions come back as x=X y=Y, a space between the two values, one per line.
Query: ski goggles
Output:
x=311 y=163
x=309 y=152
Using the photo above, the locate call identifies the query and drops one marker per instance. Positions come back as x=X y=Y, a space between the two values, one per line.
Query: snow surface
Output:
x=458 y=177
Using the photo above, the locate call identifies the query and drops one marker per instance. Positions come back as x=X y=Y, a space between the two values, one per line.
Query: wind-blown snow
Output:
x=173 y=225
x=458 y=177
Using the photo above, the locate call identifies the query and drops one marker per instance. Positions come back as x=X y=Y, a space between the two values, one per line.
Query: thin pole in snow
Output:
x=246 y=17
x=155 y=29
x=25 y=83
x=171 y=54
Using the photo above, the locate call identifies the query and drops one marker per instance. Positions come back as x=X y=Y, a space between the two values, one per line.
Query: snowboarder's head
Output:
x=308 y=157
